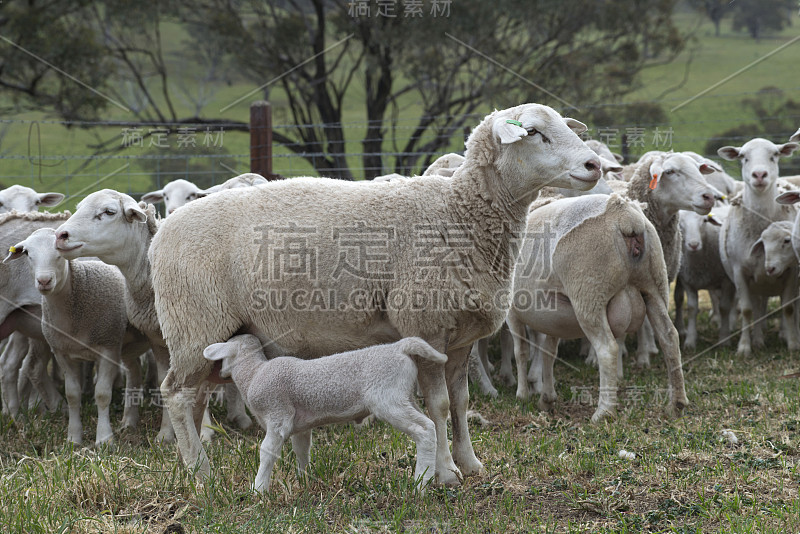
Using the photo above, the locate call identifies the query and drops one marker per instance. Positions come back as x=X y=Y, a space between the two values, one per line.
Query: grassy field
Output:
x=544 y=472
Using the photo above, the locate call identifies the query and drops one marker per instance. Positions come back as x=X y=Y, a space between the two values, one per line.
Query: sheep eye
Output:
x=534 y=131
x=109 y=212
x=787 y=239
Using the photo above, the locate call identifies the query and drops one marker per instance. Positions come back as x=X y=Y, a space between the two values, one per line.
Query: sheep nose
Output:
x=170 y=211
x=592 y=165
x=44 y=281
x=759 y=175
x=771 y=270
x=694 y=245
x=708 y=199
x=62 y=236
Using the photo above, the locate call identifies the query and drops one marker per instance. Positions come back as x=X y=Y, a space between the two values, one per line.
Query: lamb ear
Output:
x=217 y=351
x=712 y=219
x=609 y=166
x=757 y=247
x=786 y=149
x=50 y=199
x=153 y=197
x=795 y=136
x=618 y=157
x=706 y=169
x=576 y=126
x=14 y=253
x=655 y=172
x=508 y=130
x=730 y=152
x=789 y=197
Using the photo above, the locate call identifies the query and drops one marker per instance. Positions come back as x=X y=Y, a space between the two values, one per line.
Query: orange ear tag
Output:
x=654 y=181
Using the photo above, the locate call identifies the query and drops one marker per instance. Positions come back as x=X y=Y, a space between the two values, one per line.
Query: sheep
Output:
x=114 y=228
x=788 y=198
x=750 y=214
x=667 y=183
x=174 y=195
x=558 y=291
x=602 y=149
x=20 y=311
x=719 y=179
x=247 y=179
x=775 y=244
x=21 y=198
x=701 y=268
x=290 y=397
x=84 y=318
x=212 y=268
x=445 y=165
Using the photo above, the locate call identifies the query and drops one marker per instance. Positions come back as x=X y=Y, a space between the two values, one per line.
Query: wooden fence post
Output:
x=261 y=139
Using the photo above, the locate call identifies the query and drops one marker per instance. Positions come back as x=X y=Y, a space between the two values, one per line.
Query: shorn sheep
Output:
x=750 y=214
x=84 y=318
x=289 y=396
x=21 y=198
x=220 y=263
x=174 y=195
x=559 y=290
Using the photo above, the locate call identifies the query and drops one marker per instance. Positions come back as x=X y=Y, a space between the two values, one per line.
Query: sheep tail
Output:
x=414 y=346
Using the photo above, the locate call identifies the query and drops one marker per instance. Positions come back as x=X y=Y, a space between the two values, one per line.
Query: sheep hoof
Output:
x=689 y=346
x=165 y=436
x=508 y=380
x=206 y=434
x=744 y=350
x=547 y=403
x=243 y=421
x=603 y=414
x=676 y=409
x=450 y=477
x=490 y=391
x=523 y=395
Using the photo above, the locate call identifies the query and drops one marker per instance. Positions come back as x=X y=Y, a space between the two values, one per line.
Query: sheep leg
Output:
x=679 y=294
x=788 y=303
x=72 y=390
x=107 y=370
x=477 y=370
x=133 y=383
x=407 y=419
x=759 y=324
x=10 y=362
x=506 y=354
x=746 y=308
x=548 y=351
x=534 y=376
x=716 y=310
x=34 y=366
x=237 y=412
x=670 y=346
x=520 y=335
x=727 y=311
x=643 y=337
x=270 y=451
x=301 y=445
x=179 y=398
x=458 y=389
x=432 y=382
x=166 y=433
x=483 y=352
x=693 y=305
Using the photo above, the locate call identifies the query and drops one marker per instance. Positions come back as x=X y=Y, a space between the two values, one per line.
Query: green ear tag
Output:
x=512 y=121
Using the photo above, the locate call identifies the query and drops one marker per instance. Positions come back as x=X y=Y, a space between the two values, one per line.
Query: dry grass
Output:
x=544 y=472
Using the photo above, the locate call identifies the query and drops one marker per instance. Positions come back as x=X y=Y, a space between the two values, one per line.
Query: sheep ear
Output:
x=706 y=169
x=795 y=136
x=134 y=214
x=730 y=152
x=50 y=199
x=609 y=166
x=757 y=247
x=618 y=157
x=576 y=126
x=712 y=219
x=508 y=130
x=789 y=197
x=153 y=197
x=217 y=351
x=713 y=165
x=15 y=252
x=786 y=149
x=655 y=172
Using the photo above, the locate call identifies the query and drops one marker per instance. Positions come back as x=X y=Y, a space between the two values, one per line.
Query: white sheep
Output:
x=84 y=318
x=21 y=310
x=788 y=198
x=114 y=228
x=174 y=195
x=667 y=183
x=701 y=268
x=775 y=244
x=750 y=214
x=216 y=265
x=21 y=198
x=444 y=165
x=289 y=396
x=719 y=179
x=560 y=292
x=247 y=179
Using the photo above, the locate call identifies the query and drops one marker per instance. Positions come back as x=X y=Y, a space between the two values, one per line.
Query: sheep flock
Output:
x=312 y=301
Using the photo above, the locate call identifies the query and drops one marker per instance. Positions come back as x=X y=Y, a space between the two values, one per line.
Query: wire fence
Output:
x=78 y=157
